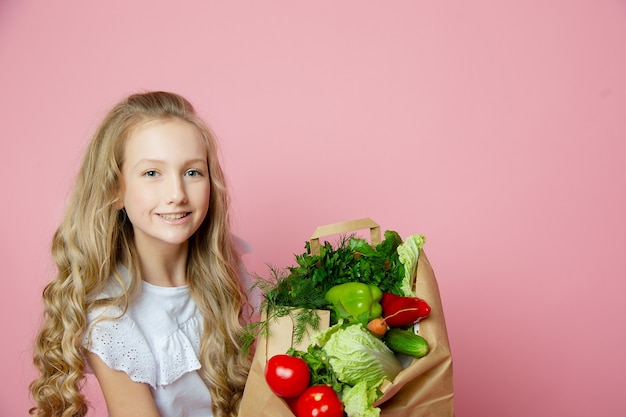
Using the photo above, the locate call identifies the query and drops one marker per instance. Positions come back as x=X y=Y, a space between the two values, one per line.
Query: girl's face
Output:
x=166 y=185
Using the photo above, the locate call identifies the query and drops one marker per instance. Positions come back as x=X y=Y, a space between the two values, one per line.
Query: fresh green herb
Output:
x=351 y=260
x=321 y=371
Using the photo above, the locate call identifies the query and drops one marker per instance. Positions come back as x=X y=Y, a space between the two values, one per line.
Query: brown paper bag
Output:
x=423 y=389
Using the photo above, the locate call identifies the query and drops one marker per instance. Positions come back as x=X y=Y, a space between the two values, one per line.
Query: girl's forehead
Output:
x=165 y=139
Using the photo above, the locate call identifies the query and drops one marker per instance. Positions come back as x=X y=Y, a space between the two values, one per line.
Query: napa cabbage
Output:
x=408 y=254
x=355 y=355
x=358 y=401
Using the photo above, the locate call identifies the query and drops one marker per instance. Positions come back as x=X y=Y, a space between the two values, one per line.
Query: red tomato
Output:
x=319 y=401
x=287 y=376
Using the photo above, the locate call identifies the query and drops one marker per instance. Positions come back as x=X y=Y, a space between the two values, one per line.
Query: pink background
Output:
x=496 y=128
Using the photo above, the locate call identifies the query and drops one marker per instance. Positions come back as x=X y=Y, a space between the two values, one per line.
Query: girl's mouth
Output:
x=173 y=216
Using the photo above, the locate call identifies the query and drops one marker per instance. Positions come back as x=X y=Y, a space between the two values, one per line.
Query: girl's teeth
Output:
x=173 y=216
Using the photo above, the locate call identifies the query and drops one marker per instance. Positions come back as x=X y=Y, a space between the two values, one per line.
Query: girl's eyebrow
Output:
x=161 y=161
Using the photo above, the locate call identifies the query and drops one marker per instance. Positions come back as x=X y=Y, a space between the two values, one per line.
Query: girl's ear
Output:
x=119 y=199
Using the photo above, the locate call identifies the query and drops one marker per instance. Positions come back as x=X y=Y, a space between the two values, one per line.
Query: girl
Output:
x=148 y=294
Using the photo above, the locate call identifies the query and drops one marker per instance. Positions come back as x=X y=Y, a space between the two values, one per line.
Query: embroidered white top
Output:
x=156 y=342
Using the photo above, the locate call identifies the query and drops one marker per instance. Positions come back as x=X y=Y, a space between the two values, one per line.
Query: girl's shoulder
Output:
x=155 y=340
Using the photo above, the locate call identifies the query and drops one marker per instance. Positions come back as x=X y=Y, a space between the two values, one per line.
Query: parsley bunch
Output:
x=319 y=366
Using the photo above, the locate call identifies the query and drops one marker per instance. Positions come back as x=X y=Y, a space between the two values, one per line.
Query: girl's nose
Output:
x=176 y=192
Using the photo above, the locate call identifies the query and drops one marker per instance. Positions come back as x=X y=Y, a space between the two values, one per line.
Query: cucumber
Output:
x=407 y=342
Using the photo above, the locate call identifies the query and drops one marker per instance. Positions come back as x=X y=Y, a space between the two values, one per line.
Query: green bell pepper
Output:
x=356 y=299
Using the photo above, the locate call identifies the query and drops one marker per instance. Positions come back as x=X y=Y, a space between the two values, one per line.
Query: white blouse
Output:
x=156 y=342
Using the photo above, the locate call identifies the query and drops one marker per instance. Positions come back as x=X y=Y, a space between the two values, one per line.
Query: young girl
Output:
x=148 y=294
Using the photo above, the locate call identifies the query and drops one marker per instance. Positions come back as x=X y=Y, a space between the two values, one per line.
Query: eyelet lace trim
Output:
x=122 y=346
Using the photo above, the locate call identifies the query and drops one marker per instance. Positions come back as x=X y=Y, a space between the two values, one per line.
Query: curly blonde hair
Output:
x=95 y=237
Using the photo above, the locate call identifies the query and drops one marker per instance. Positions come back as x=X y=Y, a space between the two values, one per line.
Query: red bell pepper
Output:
x=401 y=311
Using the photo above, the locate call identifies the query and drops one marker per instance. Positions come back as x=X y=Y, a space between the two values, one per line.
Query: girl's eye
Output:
x=151 y=173
x=193 y=173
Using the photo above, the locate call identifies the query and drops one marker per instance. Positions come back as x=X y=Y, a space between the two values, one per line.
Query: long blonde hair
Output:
x=95 y=237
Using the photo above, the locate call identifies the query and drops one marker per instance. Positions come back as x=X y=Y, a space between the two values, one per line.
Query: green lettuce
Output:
x=358 y=401
x=408 y=254
x=357 y=356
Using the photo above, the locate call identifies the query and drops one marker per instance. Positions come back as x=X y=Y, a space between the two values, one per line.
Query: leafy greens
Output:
x=304 y=285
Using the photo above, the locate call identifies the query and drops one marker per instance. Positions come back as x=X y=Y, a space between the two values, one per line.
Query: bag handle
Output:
x=344 y=227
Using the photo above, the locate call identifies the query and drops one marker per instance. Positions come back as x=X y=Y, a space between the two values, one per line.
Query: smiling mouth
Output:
x=173 y=216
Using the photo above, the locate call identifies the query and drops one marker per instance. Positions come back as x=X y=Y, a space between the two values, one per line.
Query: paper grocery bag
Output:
x=423 y=389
